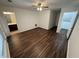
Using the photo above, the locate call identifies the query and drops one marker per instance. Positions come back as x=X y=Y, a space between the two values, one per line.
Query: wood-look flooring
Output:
x=38 y=43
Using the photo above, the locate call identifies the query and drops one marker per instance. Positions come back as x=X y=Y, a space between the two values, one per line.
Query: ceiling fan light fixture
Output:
x=40 y=4
x=39 y=8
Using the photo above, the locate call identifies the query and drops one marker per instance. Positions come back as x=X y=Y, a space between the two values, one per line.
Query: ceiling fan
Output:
x=40 y=4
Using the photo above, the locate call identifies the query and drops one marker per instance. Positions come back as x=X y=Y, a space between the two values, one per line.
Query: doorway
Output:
x=11 y=20
x=68 y=21
x=54 y=19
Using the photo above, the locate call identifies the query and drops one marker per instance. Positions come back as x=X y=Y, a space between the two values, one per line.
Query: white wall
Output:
x=48 y=19
x=44 y=18
x=61 y=15
x=73 y=44
x=25 y=19
x=32 y=17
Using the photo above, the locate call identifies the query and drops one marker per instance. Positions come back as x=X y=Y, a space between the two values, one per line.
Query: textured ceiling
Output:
x=51 y=3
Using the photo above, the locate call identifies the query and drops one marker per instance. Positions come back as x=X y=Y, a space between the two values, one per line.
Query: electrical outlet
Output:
x=35 y=25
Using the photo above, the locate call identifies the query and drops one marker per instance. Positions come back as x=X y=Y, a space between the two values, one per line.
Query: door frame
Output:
x=73 y=26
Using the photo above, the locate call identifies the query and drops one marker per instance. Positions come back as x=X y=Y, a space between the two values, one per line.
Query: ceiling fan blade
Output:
x=9 y=0
x=45 y=7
